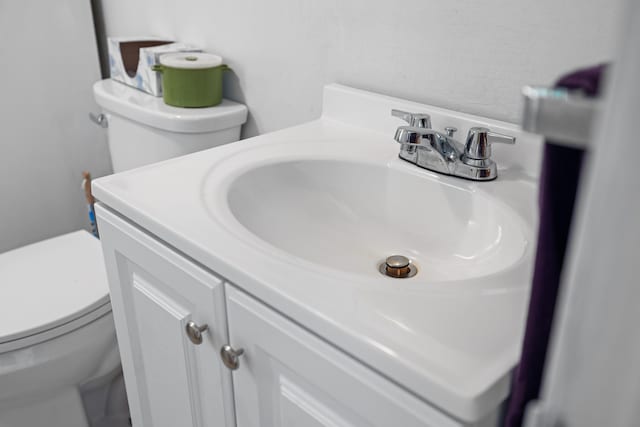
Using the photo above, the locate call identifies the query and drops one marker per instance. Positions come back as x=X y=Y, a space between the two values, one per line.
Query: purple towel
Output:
x=559 y=182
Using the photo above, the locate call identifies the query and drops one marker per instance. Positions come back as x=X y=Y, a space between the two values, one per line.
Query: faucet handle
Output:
x=479 y=140
x=417 y=120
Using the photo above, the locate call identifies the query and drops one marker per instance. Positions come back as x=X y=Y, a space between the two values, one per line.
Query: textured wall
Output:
x=49 y=62
x=463 y=54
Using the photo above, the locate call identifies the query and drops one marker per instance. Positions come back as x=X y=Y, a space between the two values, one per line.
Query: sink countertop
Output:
x=451 y=343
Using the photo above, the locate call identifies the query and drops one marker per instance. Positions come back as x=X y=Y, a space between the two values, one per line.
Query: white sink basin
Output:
x=347 y=208
x=350 y=216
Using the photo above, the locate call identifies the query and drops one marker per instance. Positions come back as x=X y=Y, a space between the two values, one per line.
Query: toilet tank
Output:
x=142 y=129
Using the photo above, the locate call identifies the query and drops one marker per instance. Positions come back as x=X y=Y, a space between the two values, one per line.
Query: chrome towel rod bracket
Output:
x=560 y=115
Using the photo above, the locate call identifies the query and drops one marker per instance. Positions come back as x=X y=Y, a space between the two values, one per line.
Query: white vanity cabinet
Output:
x=284 y=376
x=275 y=242
x=289 y=377
x=155 y=293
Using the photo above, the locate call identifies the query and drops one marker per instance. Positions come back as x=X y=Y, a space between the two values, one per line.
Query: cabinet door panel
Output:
x=290 y=377
x=162 y=323
x=155 y=292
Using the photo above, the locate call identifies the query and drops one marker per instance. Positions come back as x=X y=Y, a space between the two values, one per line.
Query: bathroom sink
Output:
x=349 y=213
x=302 y=218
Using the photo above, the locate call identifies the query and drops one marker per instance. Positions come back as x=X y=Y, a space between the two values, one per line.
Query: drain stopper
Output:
x=398 y=266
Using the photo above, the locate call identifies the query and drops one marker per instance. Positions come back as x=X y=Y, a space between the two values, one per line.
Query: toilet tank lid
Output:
x=133 y=104
x=50 y=283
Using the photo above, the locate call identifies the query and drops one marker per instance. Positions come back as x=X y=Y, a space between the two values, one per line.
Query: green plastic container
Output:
x=191 y=80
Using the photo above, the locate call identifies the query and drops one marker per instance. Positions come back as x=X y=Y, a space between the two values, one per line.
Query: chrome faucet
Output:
x=430 y=149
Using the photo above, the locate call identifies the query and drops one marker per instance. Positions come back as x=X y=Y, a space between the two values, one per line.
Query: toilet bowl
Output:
x=56 y=330
x=57 y=336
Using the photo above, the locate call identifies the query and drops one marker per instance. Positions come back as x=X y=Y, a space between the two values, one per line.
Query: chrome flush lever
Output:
x=99 y=119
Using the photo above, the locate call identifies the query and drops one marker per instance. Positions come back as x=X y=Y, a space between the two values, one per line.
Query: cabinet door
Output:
x=155 y=293
x=289 y=377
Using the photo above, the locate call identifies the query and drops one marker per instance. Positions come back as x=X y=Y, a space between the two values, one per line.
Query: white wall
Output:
x=49 y=62
x=468 y=55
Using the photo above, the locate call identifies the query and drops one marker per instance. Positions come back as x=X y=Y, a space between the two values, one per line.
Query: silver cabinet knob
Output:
x=231 y=357
x=194 y=332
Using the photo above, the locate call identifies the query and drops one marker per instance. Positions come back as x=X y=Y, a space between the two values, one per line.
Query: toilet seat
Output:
x=50 y=288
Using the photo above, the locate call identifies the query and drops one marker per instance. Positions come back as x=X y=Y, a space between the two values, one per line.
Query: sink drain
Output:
x=398 y=267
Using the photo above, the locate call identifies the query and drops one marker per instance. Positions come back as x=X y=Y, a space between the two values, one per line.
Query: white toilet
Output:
x=57 y=336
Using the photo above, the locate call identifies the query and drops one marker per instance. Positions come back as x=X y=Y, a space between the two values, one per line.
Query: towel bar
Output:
x=559 y=115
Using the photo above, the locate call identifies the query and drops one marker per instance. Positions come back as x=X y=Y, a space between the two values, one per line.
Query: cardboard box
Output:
x=131 y=60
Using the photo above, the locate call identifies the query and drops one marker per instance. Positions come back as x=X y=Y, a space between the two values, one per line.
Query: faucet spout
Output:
x=440 y=148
